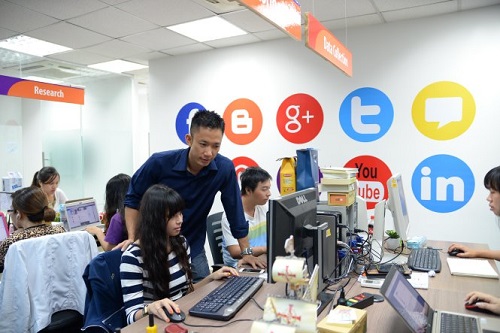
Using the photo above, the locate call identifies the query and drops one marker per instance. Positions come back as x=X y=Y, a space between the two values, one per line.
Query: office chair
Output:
x=42 y=289
x=214 y=235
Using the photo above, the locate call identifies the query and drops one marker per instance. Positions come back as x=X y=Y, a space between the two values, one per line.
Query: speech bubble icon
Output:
x=443 y=110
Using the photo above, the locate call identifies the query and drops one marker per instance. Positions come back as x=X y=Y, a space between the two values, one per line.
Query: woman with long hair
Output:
x=155 y=269
x=114 y=210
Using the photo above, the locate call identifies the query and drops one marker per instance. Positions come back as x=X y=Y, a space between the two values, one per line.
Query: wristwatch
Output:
x=145 y=310
x=247 y=251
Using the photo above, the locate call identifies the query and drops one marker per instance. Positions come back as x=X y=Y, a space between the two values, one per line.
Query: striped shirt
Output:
x=137 y=290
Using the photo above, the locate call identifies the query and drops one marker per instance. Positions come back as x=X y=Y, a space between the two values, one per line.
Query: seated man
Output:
x=255 y=192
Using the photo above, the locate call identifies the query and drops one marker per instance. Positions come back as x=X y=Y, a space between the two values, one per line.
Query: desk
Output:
x=445 y=292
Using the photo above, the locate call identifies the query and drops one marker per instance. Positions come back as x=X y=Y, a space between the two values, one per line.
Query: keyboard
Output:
x=226 y=300
x=424 y=259
x=458 y=324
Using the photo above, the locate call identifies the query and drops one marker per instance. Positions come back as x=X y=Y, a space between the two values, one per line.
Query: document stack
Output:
x=340 y=185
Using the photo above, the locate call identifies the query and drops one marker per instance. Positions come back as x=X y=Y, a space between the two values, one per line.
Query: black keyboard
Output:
x=424 y=259
x=458 y=324
x=227 y=299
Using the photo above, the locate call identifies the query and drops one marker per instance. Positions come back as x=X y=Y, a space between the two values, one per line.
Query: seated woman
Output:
x=29 y=211
x=114 y=210
x=48 y=180
x=492 y=184
x=155 y=269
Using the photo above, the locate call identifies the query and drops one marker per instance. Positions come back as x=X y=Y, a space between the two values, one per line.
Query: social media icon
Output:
x=241 y=123
x=366 y=114
x=372 y=178
x=243 y=120
x=443 y=110
x=299 y=118
x=183 y=120
x=241 y=163
x=443 y=183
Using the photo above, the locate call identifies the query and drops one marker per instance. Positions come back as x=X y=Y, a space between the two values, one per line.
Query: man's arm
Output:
x=255 y=262
x=131 y=220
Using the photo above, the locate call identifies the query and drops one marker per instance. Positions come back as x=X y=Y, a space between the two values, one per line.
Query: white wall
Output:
x=399 y=59
x=105 y=122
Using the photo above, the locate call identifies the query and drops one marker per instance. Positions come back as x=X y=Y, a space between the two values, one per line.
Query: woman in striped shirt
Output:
x=155 y=269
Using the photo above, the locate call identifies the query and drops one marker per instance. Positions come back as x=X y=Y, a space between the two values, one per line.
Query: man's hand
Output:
x=255 y=262
x=123 y=245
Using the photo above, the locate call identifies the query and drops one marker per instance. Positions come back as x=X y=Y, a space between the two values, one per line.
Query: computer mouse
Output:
x=473 y=307
x=175 y=317
x=454 y=252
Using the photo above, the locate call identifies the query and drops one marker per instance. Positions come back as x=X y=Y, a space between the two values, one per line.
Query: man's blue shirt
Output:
x=170 y=168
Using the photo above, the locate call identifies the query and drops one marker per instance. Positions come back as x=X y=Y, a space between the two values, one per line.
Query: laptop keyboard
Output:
x=458 y=324
x=424 y=259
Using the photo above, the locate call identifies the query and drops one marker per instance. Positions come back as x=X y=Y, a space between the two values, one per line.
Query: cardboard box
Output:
x=359 y=325
x=341 y=199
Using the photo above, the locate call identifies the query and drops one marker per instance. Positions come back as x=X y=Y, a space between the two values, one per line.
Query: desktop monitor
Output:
x=288 y=216
x=396 y=203
x=314 y=237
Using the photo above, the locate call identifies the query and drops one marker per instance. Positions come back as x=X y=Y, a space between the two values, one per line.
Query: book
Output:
x=338 y=181
x=338 y=187
x=339 y=172
x=471 y=267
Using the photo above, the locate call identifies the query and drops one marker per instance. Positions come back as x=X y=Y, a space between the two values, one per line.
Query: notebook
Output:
x=471 y=267
x=415 y=311
x=81 y=214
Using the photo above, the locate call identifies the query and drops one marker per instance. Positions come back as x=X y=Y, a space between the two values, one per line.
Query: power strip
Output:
x=372 y=283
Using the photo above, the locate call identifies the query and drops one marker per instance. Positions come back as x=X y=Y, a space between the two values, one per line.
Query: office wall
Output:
x=87 y=144
x=398 y=60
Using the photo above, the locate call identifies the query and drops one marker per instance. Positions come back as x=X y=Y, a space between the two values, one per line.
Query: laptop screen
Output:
x=4 y=230
x=81 y=213
x=406 y=301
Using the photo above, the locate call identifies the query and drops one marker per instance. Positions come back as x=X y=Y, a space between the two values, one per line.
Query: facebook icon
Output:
x=366 y=114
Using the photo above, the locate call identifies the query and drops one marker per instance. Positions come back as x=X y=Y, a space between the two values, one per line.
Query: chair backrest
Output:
x=43 y=276
x=104 y=311
x=214 y=235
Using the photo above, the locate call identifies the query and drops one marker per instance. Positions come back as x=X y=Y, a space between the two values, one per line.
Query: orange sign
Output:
x=323 y=42
x=12 y=86
x=285 y=14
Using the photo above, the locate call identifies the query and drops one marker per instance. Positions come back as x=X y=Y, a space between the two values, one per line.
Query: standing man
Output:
x=255 y=193
x=197 y=173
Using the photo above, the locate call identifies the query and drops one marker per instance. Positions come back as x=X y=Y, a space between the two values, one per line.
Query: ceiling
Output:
x=134 y=30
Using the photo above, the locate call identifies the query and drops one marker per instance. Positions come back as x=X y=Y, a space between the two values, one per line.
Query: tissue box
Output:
x=416 y=242
x=359 y=325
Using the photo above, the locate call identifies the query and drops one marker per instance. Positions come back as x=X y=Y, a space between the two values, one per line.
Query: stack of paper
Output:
x=471 y=267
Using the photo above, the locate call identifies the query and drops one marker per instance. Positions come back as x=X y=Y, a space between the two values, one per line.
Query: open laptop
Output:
x=415 y=311
x=81 y=214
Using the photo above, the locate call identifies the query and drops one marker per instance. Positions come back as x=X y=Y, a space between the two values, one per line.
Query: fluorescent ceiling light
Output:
x=33 y=46
x=44 y=79
x=211 y=28
x=118 y=66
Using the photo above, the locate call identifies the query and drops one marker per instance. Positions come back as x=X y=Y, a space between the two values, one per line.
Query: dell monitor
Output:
x=396 y=203
x=295 y=215
x=288 y=216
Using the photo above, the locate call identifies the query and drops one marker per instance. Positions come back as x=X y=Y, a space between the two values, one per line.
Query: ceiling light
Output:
x=118 y=66
x=211 y=28
x=33 y=46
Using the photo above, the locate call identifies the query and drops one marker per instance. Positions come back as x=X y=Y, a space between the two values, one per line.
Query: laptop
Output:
x=416 y=312
x=4 y=229
x=81 y=214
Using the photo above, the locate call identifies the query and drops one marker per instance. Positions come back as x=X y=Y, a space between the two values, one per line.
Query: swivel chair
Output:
x=214 y=235
x=42 y=288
